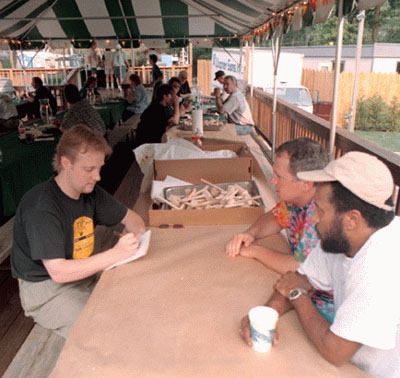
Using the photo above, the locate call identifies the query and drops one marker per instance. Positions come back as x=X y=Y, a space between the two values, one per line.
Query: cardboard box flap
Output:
x=213 y=170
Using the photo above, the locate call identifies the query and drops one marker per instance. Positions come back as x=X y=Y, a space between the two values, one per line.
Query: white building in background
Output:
x=378 y=58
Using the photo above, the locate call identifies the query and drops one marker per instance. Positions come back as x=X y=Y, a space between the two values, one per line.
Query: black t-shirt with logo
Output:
x=50 y=225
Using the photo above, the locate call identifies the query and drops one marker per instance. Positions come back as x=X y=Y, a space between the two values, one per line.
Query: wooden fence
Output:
x=204 y=78
x=369 y=84
x=293 y=123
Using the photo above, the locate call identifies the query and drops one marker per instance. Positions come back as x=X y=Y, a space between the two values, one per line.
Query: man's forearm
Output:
x=133 y=222
x=219 y=104
x=279 y=303
x=279 y=262
x=63 y=270
x=264 y=226
x=174 y=120
x=333 y=348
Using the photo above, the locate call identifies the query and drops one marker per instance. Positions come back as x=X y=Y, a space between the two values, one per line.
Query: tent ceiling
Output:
x=85 y=20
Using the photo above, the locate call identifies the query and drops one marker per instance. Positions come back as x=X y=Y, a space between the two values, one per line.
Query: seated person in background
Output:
x=235 y=106
x=184 y=90
x=175 y=84
x=41 y=92
x=293 y=212
x=54 y=233
x=358 y=258
x=90 y=86
x=137 y=98
x=8 y=114
x=156 y=75
x=158 y=117
x=81 y=111
x=219 y=83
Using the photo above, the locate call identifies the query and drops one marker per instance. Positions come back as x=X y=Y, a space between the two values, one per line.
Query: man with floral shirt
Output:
x=293 y=212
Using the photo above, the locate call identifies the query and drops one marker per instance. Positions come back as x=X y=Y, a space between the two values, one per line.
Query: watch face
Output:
x=294 y=293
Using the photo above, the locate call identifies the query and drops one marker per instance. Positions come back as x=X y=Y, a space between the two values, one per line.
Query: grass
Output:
x=387 y=140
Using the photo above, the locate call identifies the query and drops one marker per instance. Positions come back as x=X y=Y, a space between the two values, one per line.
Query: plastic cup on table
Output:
x=262 y=327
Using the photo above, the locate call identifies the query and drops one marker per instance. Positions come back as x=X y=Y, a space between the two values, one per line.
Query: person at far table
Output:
x=80 y=111
x=89 y=87
x=235 y=107
x=184 y=106
x=219 y=83
x=358 y=258
x=52 y=254
x=184 y=90
x=294 y=212
x=121 y=65
x=108 y=68
x=41 y=92
x=137 y=98
x=8 y=114
x=156 y=75
x=161 y=114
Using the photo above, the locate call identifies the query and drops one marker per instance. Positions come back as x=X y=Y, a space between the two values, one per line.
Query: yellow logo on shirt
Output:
x=83 y=238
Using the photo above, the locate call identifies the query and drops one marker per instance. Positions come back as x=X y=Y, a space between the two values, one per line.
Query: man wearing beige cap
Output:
x=358 y=259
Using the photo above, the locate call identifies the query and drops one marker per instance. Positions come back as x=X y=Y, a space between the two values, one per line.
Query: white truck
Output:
x=290 y=69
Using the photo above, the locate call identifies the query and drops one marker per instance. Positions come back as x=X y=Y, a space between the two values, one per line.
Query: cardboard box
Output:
x=216 y=171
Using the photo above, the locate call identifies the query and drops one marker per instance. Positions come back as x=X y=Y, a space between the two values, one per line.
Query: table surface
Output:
x=176 y=313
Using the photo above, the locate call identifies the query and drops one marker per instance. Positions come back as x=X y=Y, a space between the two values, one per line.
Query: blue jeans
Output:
x=243 y=129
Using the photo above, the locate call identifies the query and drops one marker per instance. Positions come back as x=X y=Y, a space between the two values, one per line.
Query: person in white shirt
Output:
x=235 y=106
x=121 y=65
x=108 y=67
x=8 y=114
x=93 y=59
x=358 y=259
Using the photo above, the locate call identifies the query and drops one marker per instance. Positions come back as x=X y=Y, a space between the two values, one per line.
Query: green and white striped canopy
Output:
x=154 y=22
x=131 y=20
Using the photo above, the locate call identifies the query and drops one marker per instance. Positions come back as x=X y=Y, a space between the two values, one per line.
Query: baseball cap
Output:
x=363 y=174
x=219 y=74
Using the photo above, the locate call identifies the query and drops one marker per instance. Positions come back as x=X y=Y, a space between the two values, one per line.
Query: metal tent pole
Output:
x=24 y=68
x=338 y=59
x=252 y=75
x=353 y=108
x=276 y=49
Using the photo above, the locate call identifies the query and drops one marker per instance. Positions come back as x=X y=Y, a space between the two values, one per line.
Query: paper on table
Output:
x=142 y=250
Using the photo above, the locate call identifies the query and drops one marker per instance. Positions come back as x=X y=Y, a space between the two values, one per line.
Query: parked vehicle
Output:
x=294 y=94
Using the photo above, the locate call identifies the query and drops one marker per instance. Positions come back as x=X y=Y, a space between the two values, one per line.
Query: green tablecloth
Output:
x=111 y=112
x=23 y=166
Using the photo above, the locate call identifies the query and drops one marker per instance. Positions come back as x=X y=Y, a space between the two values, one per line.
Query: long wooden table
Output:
x=176 y=313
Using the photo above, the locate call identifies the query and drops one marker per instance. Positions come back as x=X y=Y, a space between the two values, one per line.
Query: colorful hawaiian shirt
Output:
x=303 y=238
x=302 y=233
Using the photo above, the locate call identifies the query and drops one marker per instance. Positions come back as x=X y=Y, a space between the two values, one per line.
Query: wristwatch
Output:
x=295 y=293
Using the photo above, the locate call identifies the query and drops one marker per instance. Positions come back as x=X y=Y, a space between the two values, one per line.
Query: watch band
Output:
x=295 y=293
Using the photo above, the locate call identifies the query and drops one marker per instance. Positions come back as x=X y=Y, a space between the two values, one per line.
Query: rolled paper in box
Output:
x=262 y=327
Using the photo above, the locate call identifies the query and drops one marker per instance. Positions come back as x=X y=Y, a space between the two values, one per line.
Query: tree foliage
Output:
x=325 y=33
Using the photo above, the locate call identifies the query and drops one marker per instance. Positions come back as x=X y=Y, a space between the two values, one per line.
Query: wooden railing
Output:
x=169 y=71
x=49 y=76
x=292 y=123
